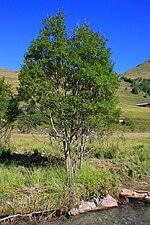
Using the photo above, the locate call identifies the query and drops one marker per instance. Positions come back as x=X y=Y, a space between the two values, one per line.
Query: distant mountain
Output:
x=141 y=70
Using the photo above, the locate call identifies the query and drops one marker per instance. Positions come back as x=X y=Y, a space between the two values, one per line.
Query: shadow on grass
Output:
x=30 y=159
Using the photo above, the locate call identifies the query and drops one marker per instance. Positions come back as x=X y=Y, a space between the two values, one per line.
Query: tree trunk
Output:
x=81 y=150
x=66 y=145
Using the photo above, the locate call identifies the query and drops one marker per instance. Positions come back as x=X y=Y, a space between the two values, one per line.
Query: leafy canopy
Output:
x=68 y=83
x=5 y=96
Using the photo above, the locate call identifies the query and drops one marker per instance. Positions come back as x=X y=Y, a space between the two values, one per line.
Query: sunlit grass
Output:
x=139 y=116
x=111 y=160
x=36 y=142
x=25 y=190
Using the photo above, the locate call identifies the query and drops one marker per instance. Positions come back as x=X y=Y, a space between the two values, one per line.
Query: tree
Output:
x=5 y=98
x=68 y=84
x=135 y=89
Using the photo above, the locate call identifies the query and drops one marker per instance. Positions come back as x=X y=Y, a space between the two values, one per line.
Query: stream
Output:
x=130 y=214
x=134 y=213
x=124 y=215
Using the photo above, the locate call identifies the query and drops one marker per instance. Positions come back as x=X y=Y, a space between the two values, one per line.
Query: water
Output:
x=132 y=214
x=124 y=215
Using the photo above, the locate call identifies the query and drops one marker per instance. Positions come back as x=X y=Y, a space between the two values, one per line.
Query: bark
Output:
x=66 y=145
x=82 y=147
x=141 y=195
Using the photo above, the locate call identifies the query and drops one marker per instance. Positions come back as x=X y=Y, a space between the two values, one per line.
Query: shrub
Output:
x=93 y=181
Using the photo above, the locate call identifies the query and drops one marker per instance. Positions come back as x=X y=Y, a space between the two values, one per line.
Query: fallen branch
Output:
x=30 y=216
x=141 y=195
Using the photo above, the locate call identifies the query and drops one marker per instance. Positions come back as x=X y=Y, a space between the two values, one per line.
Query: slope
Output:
x=138 y=116
x=10 y=76
x=141 y=70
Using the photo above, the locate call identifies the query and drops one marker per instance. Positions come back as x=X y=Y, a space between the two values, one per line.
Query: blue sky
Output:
x=125 y=23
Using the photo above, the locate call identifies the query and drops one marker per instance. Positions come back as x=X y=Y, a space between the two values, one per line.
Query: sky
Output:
x=125 y=23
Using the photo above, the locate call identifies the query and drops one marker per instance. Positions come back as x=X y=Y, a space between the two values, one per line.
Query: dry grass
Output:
x=11 y=77
x=142 y=70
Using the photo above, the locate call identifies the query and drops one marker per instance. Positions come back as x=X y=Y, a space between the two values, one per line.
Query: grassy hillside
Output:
x=139 y=116
x=141 y=70
x=10 y=76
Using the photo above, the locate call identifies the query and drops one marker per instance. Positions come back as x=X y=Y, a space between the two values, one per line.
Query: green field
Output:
x=31 y=183
x=139 y=116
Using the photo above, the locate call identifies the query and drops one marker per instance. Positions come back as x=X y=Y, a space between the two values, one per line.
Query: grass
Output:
x=26 y=190
x=130 y=155
x=139 y=116
x=33 y=187
x=141 y=71
x=36 y=142
x=11 y=77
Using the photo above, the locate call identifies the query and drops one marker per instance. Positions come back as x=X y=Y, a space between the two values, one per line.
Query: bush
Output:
x=93 y=181
x=135 y=90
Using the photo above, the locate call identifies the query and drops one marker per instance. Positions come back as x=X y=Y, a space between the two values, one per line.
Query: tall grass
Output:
x=109 y=161
x=25 y=190
x=128 y=155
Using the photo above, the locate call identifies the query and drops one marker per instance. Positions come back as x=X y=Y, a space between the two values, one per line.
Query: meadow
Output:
x=138 y=117
x=29 y=184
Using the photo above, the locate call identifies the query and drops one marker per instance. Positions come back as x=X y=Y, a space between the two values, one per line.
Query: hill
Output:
x=138 y=116
x=10 y=76
x=141 y=70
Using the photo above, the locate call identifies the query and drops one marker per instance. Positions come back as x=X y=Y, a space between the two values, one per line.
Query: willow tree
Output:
x=68 y=84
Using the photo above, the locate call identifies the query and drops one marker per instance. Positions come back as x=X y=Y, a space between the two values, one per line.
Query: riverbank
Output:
x=36 y=180
x=125 y=197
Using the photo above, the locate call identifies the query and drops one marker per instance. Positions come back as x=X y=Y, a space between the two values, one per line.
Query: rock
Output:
x=74 y=212
x=94 y=205
x=108 y=202
x=86 y=206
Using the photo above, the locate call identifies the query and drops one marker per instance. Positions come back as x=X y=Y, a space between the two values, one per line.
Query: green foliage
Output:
x=136 y=89
x=6 y=115
x=145 y=86
x=92 y=181
x=68 y=84
x=138 y=84
x=127 y=79
x=12 y=109
x=5 y=96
